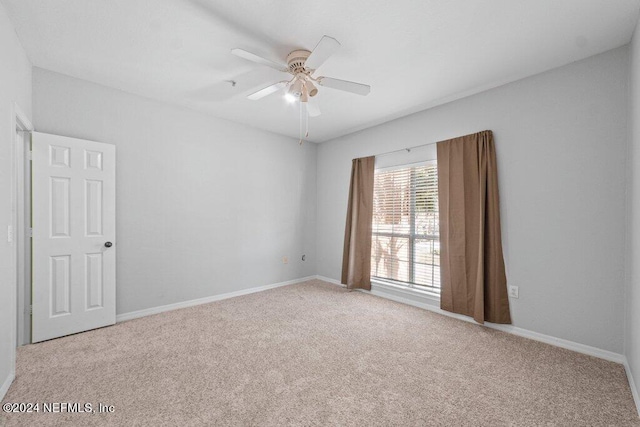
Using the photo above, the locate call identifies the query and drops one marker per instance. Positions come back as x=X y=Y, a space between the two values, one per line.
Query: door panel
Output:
x=60 y=206
x=60 y=285
x=94 y=282
x=73 y=216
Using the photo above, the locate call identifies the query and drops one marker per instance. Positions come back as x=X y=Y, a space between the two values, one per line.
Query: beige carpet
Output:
x=315 y=354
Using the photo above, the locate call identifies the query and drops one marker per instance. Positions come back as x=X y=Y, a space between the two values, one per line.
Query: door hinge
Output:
x=30 y=232
x=30 y=309
x=30 y=155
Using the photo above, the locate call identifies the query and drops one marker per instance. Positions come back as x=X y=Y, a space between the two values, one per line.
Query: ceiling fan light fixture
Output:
x=290 y=98
x=304 y=96
x=311 y=88
x=296 y=88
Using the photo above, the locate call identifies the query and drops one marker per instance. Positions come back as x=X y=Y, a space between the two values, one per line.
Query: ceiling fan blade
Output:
x=267 y=91
x=241 y=53
x=357 y=88
x=312 y=108
x=237 y=85
x=323 y=50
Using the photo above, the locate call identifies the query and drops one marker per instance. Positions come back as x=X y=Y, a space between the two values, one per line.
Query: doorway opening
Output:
x=18 y=233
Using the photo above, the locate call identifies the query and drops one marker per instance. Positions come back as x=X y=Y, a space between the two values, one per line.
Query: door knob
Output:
x=108 y=244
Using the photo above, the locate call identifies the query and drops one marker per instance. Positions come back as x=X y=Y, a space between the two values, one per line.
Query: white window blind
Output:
x=405 y=242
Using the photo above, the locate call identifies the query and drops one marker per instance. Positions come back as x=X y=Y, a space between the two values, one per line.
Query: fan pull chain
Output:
x=306 y=135
x=304 y=118
x=300 y=123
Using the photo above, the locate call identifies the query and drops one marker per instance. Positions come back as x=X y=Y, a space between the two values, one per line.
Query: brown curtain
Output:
x=472 y=266
x=356 y=258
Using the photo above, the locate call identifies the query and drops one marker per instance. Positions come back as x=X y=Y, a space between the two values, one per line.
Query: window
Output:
x=405 y=243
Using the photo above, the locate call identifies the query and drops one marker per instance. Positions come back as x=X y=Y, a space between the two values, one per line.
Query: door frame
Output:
x=21 y=223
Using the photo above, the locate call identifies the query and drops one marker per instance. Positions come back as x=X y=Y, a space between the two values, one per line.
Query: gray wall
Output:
x=632 y=338
x=15 y=86
x=204 y=206
x=561 y=145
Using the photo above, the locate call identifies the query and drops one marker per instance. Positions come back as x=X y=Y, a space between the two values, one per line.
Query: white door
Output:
x=74 y=230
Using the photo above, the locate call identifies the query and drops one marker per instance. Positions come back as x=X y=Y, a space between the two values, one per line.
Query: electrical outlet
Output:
x=513 y=291
x=285 y=260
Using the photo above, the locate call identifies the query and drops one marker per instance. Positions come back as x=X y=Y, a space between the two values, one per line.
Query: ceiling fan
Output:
x=302 y=64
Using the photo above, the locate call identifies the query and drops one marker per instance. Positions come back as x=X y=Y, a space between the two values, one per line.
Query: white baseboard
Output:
x=632 y=385
x=558 y=342
x=6 y=384
x=155 y=310
x=329 y=280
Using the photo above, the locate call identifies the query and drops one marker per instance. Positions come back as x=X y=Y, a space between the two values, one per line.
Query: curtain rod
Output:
x=408 y=150
x=418 y=146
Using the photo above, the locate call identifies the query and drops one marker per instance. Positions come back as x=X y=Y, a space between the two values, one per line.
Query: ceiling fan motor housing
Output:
x=296 y=61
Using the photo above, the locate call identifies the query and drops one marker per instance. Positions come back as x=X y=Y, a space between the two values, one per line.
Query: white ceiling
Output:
x=414 y=54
